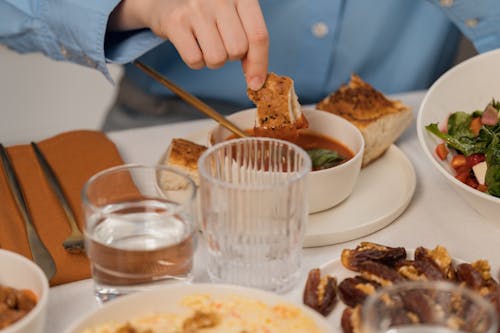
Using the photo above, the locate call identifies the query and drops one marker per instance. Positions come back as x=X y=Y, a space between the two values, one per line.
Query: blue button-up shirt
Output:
x=396 y=45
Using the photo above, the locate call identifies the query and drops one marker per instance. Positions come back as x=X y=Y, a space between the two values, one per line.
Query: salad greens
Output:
x=324 y=158
x=460 y=137
x=465 y=144
x=493 y=163
x=459 y=124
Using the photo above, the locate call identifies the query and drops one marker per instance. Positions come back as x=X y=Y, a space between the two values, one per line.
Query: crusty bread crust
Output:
x=278 y=109
x=182 y=155
x=380 y=119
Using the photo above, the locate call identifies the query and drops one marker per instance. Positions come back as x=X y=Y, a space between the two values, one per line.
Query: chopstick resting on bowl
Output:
x=40 y=254
x=191 y=99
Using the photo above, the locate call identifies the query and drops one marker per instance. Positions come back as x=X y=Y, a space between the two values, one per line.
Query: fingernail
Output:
x=255 y=83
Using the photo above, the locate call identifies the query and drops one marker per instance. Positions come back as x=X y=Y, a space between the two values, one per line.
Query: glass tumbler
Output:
x=428 y=307
x=254 y=211
x=140 y=228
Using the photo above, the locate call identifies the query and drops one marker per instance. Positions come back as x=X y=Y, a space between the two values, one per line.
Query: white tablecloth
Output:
x=436 y=215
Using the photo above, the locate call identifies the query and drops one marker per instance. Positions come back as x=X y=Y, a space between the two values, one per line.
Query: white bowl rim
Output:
x=42 y=298
x=296 y=177
x=357 y=155
x=258 y=294
x=421 y=131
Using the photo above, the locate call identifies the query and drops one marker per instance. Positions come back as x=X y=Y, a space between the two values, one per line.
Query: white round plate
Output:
x=383 y=191
x=336 y=269
x=168 y=300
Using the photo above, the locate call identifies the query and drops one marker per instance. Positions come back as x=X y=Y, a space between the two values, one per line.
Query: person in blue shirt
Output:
x=217 y=48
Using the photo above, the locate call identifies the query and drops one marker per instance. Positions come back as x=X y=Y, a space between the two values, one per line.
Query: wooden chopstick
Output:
x=191 y=99
x=40 y=254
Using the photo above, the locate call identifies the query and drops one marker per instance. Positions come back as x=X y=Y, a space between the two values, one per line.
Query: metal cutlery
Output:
x=40 y=254
x=75 y=241
x=191 y=99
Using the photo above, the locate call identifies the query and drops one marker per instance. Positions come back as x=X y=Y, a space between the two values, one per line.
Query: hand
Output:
x=204 y=32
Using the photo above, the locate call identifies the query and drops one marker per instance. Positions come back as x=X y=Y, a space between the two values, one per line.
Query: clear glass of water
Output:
x=428 y=307
x=140 y=228
x=254 y=211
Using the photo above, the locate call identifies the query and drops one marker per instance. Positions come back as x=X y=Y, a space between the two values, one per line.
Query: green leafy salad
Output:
x=474 y=141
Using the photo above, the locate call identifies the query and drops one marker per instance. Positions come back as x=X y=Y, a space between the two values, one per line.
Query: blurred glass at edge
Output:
x=428 y=306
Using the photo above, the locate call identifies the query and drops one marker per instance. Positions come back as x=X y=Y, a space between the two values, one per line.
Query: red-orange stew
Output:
x=325 y=152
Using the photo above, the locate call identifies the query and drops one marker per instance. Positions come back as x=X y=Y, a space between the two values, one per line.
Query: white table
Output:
x=436 y=215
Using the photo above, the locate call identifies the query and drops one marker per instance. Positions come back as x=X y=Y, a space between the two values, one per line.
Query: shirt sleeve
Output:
x=123 y=47
x=478 y=20
x=70 y=30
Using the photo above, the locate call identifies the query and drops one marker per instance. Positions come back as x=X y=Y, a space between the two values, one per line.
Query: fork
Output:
x=74 y=243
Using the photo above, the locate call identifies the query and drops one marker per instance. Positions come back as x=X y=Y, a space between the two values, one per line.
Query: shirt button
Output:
x=446 y=3
x=471 y=23
x=319 y=29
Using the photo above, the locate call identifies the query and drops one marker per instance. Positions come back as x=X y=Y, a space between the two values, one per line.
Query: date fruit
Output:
x=320 y=293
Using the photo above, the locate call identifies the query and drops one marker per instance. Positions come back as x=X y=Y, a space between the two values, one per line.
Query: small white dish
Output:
x=19 y=272
x=168 y=300
x=327 y=187
x=466 y=87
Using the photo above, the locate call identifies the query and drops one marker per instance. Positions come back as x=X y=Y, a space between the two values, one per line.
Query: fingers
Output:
x=177 y=28
x=256 y=60
x=232 y=33
x=187 y=46
x=209 y=32
x=210 y=41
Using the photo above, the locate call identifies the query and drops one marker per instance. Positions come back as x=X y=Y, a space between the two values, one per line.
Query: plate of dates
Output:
x=338 y=288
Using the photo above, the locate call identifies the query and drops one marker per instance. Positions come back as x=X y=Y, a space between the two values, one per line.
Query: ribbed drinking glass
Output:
x=254 y=211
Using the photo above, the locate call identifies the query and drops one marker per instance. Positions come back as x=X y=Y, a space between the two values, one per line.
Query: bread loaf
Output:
x=278 y=109
x=380 y=120
x=182 y=155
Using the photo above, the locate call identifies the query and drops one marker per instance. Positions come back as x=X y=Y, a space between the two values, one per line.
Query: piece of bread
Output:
x=380 y=120
x=182 y=155
x=278 y=109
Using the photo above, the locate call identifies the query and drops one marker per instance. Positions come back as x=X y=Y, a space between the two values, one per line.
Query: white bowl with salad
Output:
x=335 y=146
x=458 y=126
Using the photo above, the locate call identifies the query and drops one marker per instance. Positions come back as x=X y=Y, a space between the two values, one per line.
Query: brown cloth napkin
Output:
x=75 y=156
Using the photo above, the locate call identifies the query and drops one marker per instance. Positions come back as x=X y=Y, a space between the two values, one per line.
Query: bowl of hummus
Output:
x=213 y=308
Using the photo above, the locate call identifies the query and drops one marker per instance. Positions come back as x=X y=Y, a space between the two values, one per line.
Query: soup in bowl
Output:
x=334 y=144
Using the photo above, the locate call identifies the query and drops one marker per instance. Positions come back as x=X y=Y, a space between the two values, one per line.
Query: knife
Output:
x=40 y=254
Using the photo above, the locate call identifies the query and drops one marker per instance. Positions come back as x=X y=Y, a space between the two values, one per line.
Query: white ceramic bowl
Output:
x=327 y=187
x=18 y=272
x=466 y=87
x=167 y=300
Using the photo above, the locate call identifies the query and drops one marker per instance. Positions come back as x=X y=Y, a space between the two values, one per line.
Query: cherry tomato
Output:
x=462 y=176
x=463 y=169
x=475 y=159
x=458 y=161
x=442 y=151
x=472 y=182
x=475 y=125
x=482 y=188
